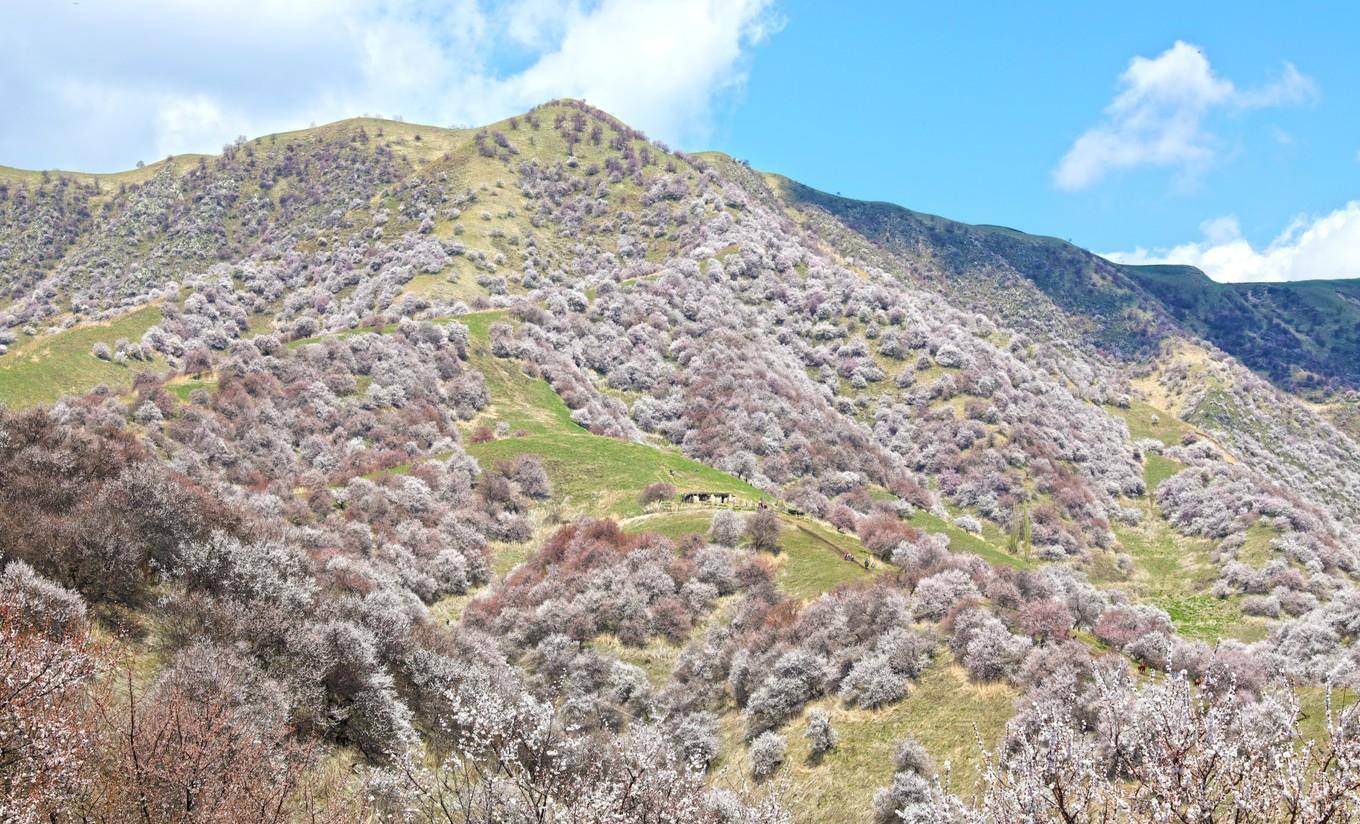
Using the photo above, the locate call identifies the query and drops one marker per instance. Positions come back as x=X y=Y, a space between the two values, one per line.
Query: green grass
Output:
x=1203 y=617
x=182 y=389
x=595 y=475
x=674 y=525
x=479 y=323
x=1313 y=709
x=1146 y=421
x=49 y=367
x=1257 y=550
x=1157 y=468
x=1175 y=573
x=943 y=711
x=810 y=561
x=963 y=541
x=591 y=474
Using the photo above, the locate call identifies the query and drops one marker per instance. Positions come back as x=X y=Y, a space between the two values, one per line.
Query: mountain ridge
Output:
x=1297 y=338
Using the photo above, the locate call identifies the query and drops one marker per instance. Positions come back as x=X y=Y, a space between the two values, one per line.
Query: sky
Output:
x=1222 y=135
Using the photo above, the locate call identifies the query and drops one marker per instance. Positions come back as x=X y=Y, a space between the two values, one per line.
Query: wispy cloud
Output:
x=99 y=86
x=1158 y=117
x=1309 y=247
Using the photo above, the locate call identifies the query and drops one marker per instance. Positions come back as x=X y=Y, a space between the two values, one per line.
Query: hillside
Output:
x=1303 y=336
x=540 y=468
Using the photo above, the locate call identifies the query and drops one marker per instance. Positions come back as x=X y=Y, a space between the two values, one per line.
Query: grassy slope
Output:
x=1283 y=330
x=603 y=476
x=963 y=541
x=46 y=368
x=811 y=558
x=944 y=711
x=591 y=474
x=110 y=180
x=1175 y=573
x=1172 y=571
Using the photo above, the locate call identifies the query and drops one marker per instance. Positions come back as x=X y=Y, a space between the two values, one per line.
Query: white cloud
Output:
x=538 y=23
x=102 y=84
x=1157 y=118
x=1310 y=247
x=627 y=56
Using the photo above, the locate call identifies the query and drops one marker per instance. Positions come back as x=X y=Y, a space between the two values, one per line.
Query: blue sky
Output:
x=966 y=110
x=1223 y=135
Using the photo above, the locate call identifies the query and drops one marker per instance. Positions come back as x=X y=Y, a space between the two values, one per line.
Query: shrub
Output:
x=763 y=530
x=911 y=757
x=968 y=524
x=882 y=532
x=39 y=603
x=936 y=594
x=822 y=738
x=725 y=528
x=527 y=471
x=1046 y=620
x=1266 y=606
x=907 y=790
x=696 y=736
x=843 y=518
x=1119 y=625
x=872 y=682
x=995 y=656
x=795 y=678
x=659 y=491
x=43 y=726
x=767 y=753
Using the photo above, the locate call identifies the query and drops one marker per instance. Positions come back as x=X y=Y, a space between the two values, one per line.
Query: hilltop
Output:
x=401 y=444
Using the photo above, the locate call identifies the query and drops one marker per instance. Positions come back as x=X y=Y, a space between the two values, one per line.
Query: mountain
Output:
x=1302 y=336
x=539 y=468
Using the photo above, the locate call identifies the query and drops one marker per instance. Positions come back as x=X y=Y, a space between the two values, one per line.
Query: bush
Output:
x=968 y=524
x=528 y=472
x=936 y=594
x=696 y=735
x=659 y=491
x=882 y=532
x=912 y=757
x=995 y=656
x=822 y=738
x=725 y=528
x=763 y=529
x=1046 y=620
x=1119 y=625
x=872 y=682
x=906 y=790
x=767 y=753
x=39 y=603
x=796 y=677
